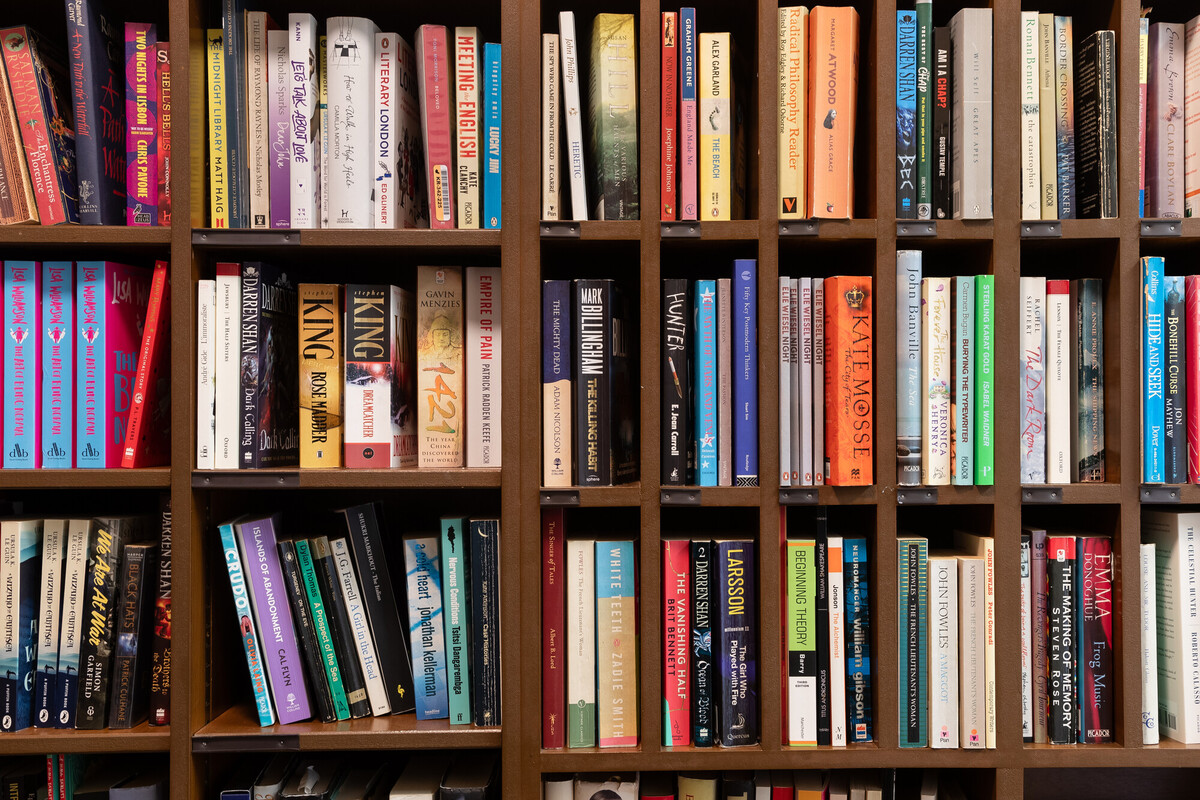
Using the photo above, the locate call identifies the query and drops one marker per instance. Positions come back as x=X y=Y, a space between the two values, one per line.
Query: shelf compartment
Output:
x=296 y=478
x=147 y=478
x=1165 y=754
x=38 y=741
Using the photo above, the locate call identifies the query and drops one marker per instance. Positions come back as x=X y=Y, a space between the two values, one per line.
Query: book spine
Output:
x=233 y=30
x=963 y=291
x=493 y=132
x=573 y=111
x=22 y=364
x=279 y=130
x=1062 y=650
x=676 y=682
x=206 y=353
x=340 y=631
x=485 y=610
x=613 y=117
x=162 y=54
x=368 y=385
x=858 y=642
x=703 y=713
x=160 y=654
x=304 y=118
x=849 y=379
x=127 y=702
x=908 y=367
x=1143 y=68
x=144 y=437
x=1107 y=140
x=322 y=627
x=1087 y=380
x=557 y=379
x=1149 y=644
x=942 y=89
x=906 y=113
x=724 y=383
x=363 y=640
x=58 y=364
x=552 y=109
x=554 y=711
x=1031 y=163
x=987 y=549
x=325 y=165
x=818 y=380
x=676 y=381
x=793 y=90
x=1175 y=443
x=1058 y=381
x=821 y=607
x=1040 y=591
x=913 y=690
x=226 y=368
x=99 y=115
x=669 y=124
x=74 y=584
x=801 y=640
x=1047 y=110
x=248 y=407
x=95 y=655
x=1026 y=640
x=716 y=139
x=1164 y=117
x=17 y=202
x=973 y=621
x=738 y=639
x=1096 y=639
x=705 y=389
x=985 y=358
x=689 y=122
x=971 y=46
x=581 y=643
x=434 y=81
x=796 y=383
x=250 y=640
x=936 y=310
x=804 y=361
x=836 y=592
x=943 y=652
x=831 y=146
x=1192 y=378
x=467 y=125
x=592 y=358
x=924 y=63
x=320 y=375
x=484 y=348
x=458 y=622
x=218 y=132
x=785 y=384
x=351 y=99
x=141 y=125
x=302 y=613
x=1153 y=402
x=616 y=644
x=1064 y=116
x=1033 y=380
x=49 y=594
x=745 y=372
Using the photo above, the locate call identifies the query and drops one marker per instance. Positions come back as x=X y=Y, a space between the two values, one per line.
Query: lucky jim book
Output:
x=703 y=683
x=616 y=644
x=554 y=667
x=426 y=626
x=737 y=637
x=676 y=679
x=492 y=135
x=677 y=343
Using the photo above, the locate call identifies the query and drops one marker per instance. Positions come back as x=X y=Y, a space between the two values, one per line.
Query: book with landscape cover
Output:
x=613 y=118
x=426 y=626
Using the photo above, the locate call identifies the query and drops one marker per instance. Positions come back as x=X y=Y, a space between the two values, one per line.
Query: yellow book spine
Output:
x=793 y=86
x=716 y=125
x=218 y=190
x=440 y=395
x=320 y=375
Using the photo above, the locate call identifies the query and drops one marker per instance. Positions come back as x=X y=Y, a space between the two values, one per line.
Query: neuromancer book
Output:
x=676 y=384
x=911 y=634
x=22 y=315
x=1062 y=640
x=849 y=380
x=613 y=118
x=1096 y=126
x=302 y=615
x=269 y=435
x=485 y=608
x=160 y=654
x=1087 y=379
x=426 y=626
x=676 y=680
x=737 y=630
x=616 y=644
x=380 y=424
x=440 y=367
x=320 y=374
x=128 y=704
x=141 y=124
x=859 y=718
x=20 y=572
x=906 y=114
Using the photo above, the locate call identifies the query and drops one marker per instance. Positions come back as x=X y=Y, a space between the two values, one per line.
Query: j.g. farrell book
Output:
x=98 y=91
x=440 y=389
x=616 y=644
x=320 y=375
x=737 y=636
x=141 y=124
x=358 y=627
x=380 y=429
x=849 y=381
x=426 y=626
x=269 y=435
x=22 y=314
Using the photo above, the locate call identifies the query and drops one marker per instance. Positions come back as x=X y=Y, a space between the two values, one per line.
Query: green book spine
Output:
x=802 y=643
x=985 y=369
x=308 y=574
x=924 y=9
x=456 y=608
x=913 y=593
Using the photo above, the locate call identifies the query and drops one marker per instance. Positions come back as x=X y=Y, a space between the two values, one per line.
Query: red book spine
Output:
x=849 y=393
x=1096 y=647
x=34 y=122
x=554 y=668
x=1192 y=340
x=149 y=412
x=437 y=102
x=677 y=673
x=670 y=125
x=162 y=52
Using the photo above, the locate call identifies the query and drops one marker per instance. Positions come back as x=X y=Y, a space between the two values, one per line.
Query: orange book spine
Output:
x=833 y=67
x=849 y=381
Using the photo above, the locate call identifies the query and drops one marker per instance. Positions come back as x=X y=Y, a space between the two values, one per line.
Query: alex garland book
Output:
x=320 y=334
x=251 y=644
x=139 y=568
x=833 y=41
x=22 y=315
x=305 y=143
x=380 y=428
x=616 y=644
x=20 y=572
x=613 y=118
x=849 y=380
x=557 y=378
x=716 y=146
x=141 y=125
x=737 y=636
x=440 y=385
x=676 y=386
x=1096 y=126
x=351 y=58
x=434 y=87
x=322 y=694
x=269 y=411
x=426 y=626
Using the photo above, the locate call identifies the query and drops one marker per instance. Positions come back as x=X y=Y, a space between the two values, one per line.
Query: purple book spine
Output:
x=141 y=124
x=273 y=615
x=280 y=128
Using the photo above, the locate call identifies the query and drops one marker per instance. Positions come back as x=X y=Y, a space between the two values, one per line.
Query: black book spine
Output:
x=302 y=615
x=100 y=605
x=485 y=620
x=824 y=709
x=1087 y=127
x=248 y=372
x=677 y=339
x=623 y=386
x=593 y=366
x=339 y=628
x=1060 y=568
x=703 y=716
x=1107 y=78
x=1175 y=394
x=738 y=660
x=379 y=597
x=943 y=78
x=139 y=566
x=278 y=389
x=160 y=655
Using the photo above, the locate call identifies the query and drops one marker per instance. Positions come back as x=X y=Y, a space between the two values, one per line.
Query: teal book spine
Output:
x=333 y=674
x=492 y=158
x=913 y=623
x=963 y=396
x=985 y=368
x=425 y=626
x=706 y=383
x=458 y=618
x=246 y=627
x=924 y=9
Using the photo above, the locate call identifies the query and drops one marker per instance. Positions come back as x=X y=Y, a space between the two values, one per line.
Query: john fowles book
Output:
x=270 y=430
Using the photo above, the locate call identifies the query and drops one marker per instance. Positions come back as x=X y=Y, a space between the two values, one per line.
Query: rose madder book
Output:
x=320 y=375
x=22 y=363
x=141 y=125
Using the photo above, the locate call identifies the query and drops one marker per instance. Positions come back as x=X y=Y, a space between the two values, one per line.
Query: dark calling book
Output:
x=676 y=388
x=737 y=651
x=270 y=382
x=302 y=615
x=1096 y=125
x=160 y=655
x=703 y=718
x=943 y=77
x=1061 y=639
x=139 y=573
x=485 y=609
x=339 y=628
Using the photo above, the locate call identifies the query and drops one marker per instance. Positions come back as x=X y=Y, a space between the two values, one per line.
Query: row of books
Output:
x=945 y=384
x=1069 y=120
x=603 y=182
x=884 y=784
x=292 y=113
x=414 y=383
x=947 y=632
x=1062 y=380
x=1067 y=592
x=1170 y=348
x=75 y=776
x=90 y=603
x=1168 y=175
x=86 y=137
x=329 y=603
x=86 y=365
x=470 y=775
x=943 y=114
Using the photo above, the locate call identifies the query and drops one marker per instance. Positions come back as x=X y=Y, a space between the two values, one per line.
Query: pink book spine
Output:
x=162 y=53
x=688 y=177
x=141 y=125
x=1192 y=339
x=676 y=590
x=33 y=119
x=126 y=296
x=437 y=101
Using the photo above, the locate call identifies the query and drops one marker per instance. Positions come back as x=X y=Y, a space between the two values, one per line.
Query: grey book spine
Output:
x=971 y=123
x=1164 y=121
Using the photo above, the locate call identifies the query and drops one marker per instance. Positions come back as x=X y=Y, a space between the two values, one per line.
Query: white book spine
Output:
x=1175 y=549
x=364 y=644
x=551 y=122
x=794 y=370
x=350 y=52
x=1058 y=382
x=74 y=576
x=573 y=110
x=1031 y=143
x=228 y=360
x=386 y=93
x=804 y=357
x=971 y=614
x=483 y=357
x=935 y=381
x=467 y=124
x=818 y=380
x=837 y=642
x=305 y=119
x=581 y=624
x=1191 y=118
x=971 y=45
x=1026 y=641
x=943 y=652
x=257 y=113
x=1149 y=647
x=724 y=383
x=1033 y=364
x=785 y=383
x=10 y=600
x=54 y=541
x=793 y=85
x=206 y=317
x=1046 y=116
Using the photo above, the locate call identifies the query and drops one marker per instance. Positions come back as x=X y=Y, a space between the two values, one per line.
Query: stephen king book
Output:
x=380 y=428
x=320 y=375
x=440 y=395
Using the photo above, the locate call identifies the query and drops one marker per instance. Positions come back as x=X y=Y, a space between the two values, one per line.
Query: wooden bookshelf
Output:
x=210 y=712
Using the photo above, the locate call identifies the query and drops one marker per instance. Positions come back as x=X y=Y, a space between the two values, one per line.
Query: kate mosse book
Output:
x=97 y=92
x=249 y=632
x=74 y=583
x=1087 y=379
x=20 y=571
x=745 y=372
x=49 y=605
x=305 y=141
x=380 y=352
x=936 y=377
x=434 y=84
x=306 y=630
x=484 y=549
x=108 y=540
x=18 y=204
x=467 y=125
x=554 y=667
x=1062 y=640
x=1175 y=442
x=737 y=638
x=605 y=427
x=1096 y=126
x=269 y=408
x=1164 y=118
x=340 y=631
x=1033 y=380
x=351 y=58
x=612 y=113
x=909 y=337
x=860 y=720
x=147 y=437
x=801 y=639
x=849 y=380
x=484 y=347
x=1095 y=583
x=704 y=391
x=362 y=638
x=141 y=124
x=985 y=378
x=22 y=315
x=943 y=650
x=320 y=334
x=322 y=625
x=971 y=125
x=1153 y=408
x=581 y=642
x=833 y=43
x=128 y=704
x=703 y=684
x=676 y=386
x=676 y=633
x=426 y=626
x=160 y=653
x=912 y=616
x=906 y=114
x=616 y=644
x=558 y=411
x=440 y=380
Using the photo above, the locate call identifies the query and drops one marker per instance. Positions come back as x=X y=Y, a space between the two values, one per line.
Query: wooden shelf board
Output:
x=1074 y=493
x=1166 y=754
x=710 y=231
x=362 y=238
x=627 y=494
x=945 y=495
x=1091 y=228
x=149 y=478
x=952 y=230
x=734 y=496
x=235 y=730
x=712 y=758
x=800 y=229
x=1187 y=492
x=84 y=235
x=296 y=478
x=39 y=741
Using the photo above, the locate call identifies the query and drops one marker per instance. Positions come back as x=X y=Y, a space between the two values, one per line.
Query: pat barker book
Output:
x=270 y=423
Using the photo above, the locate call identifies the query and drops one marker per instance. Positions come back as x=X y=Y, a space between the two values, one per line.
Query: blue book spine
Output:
x=687 y=55
x=963 y=360
x=906 y=115
x=20 y=572
x=913 y=690
x=426 y=631
x=858 y=641
x=492 y=92
x=745 y=372
x=58 y=365
x=455 y=599
x=22 y=364
x=706 y=383
x=246 y=627
x=1153 y=402
x=737 y=651
x=91 y=364
x=616 y=599
x=908 y=368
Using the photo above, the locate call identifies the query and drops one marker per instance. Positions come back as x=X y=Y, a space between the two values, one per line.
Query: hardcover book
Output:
x=141 y=124
x=912 y=617
x=20 y=571
x=1087 y=379
x=458 y=622
x=304 y=143
x=1164 y=117
x=484 y=348
x=434 y=88
x=676 y=678
x=613 y=118
x=485 y=608
x=467 y=125
x=832 y=41
x=139 y=569
x=616 y=644
x=737 y=630
x=906 y=115
x=426 y=626
x=351 y=62
x=320 y=339
x=440 y=386
x=557 y=378
x=703 y=675
x=849 y=381
x=676 y=387
x=380 y=357
x=97 y=92
x=971 y=46
x=22 y=315
x=269 y=408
